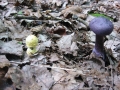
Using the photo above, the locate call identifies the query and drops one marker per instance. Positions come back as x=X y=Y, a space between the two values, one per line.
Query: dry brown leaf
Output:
x=3 y=3
x=111 y=44
x=58 y=87
x=12 y=47
x=28 y=12
x=47 y=43
x=58 y=74
x=74 y=10
x=65 y=42
x=59 y=30
x=74 y=48
x=4 y=61
x=16 y=30
x=54 y=57
x=42 y=37
x=37 y=14
x=15 y=74
x=37 y=28
x=11 y=10
x=13 y=26
x=6 y=84
x=117 y=81
x=39 y=75
x=116 y=4
x=2 y=26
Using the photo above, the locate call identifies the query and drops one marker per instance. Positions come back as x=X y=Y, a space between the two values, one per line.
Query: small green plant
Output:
x=20 y=13
x=100 y=15
x=20 y=42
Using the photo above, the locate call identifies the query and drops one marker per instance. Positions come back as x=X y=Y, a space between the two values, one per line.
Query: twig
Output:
x=82 y=72
x=47 y=66
x=26 y=17
x=82 y=21
x=74 y=70
x=112 y=77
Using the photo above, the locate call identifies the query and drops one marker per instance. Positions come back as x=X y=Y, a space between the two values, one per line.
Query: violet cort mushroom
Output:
x=101 y=26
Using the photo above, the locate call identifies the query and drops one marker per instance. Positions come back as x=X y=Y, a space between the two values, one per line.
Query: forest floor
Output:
x=63 y=60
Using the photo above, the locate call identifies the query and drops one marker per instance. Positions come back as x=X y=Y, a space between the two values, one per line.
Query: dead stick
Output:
x=46 y=66
x=74 y=70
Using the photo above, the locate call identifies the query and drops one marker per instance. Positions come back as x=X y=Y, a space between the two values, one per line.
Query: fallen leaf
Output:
x=4 y=61
x=117 y=81
x=47 y=43
x=7 y=84
x=74 y=10
x=15 y=74
x=3 y=3
x=11 y=10
x=74 y=48
x=12 y=47
x=65 y=42
x=2 y=26
x=40 y=75
x=58 y=74
x=59 y=30
x=53 y=57
x=111 y=44
x=43 y=37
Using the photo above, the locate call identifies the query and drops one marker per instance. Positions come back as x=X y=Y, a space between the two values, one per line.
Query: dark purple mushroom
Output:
x=100 y=26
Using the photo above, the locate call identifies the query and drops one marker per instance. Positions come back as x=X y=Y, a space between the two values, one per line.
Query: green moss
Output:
x=102 y=15
x=20 y=42
x=20 y=13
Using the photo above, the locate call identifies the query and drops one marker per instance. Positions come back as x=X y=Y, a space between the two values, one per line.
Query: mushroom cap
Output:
x=101 y=26
x=31 y=41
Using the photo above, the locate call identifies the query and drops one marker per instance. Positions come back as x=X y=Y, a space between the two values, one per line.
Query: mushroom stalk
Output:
x=99 y=46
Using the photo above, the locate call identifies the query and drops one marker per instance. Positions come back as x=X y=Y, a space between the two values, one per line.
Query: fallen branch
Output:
x=26 y=17
x=47 y=66
x=73 y=70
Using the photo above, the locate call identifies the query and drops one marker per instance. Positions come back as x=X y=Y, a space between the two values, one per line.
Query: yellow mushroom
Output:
x=31 y=43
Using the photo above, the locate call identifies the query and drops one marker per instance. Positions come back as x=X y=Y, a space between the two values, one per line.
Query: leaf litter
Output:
x=63 y=60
